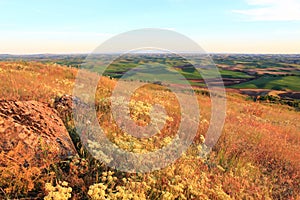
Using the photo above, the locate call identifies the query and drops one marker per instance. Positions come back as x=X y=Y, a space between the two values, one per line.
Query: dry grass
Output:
x=34 y=81
x=257 y=156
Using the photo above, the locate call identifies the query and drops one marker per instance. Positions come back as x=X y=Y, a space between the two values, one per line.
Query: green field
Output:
x=275 y=83
x=234 y=74
x=243 y=71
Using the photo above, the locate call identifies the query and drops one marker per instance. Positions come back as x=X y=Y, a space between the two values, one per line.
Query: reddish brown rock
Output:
x=32 y=135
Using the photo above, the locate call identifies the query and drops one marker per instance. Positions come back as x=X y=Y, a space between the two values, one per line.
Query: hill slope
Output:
x=256 y=157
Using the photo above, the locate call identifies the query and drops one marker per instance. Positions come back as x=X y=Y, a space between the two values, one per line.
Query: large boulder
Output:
x=32 y=135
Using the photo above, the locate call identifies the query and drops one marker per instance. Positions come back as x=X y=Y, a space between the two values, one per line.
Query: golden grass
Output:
x=257 y=156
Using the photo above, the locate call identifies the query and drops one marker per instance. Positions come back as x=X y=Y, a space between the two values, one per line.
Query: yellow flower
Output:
x=64 y=183
x=110 y=178
x=59 y=192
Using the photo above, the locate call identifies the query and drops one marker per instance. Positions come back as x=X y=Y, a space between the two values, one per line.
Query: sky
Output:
x=218 y=26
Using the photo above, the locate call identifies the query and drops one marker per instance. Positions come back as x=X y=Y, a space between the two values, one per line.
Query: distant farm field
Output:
x=273 y=83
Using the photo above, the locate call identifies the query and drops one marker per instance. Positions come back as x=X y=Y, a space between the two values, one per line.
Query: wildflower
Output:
x=64 y=183
x=97 y=191
x=60 y=192
x=110 y=179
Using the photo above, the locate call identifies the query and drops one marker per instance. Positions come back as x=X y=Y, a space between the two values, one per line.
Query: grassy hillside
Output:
x=257 y=156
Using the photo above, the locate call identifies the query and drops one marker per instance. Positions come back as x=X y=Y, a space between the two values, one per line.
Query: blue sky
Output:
x=236 y=26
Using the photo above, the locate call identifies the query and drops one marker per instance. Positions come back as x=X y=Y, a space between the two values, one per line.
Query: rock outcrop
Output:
x=32 y=135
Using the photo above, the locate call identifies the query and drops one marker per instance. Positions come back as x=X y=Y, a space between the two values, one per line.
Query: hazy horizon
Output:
x=210 y=53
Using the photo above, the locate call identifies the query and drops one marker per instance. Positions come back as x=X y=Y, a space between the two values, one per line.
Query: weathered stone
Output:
x=32 y=134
